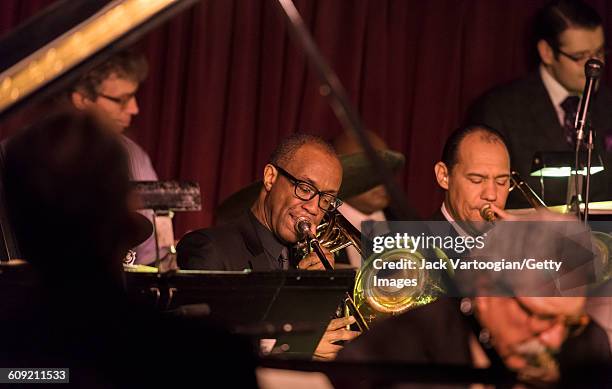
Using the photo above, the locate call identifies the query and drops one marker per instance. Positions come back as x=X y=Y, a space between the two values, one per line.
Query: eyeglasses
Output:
x=575 y=324
x=306 y=192
x=122 y=101
x=583 y=57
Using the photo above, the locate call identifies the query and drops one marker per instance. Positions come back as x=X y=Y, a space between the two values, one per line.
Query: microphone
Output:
x=592 y=70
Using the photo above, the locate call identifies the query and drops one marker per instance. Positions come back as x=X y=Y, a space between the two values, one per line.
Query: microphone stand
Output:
x=592 y=69
x=589 y=146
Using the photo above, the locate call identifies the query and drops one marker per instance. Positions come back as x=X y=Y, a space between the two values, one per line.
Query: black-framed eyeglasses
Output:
x=583 y=57
x=306 y=191
x=122 y=101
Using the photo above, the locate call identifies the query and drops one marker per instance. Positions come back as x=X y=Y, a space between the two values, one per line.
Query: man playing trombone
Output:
x=300 y=183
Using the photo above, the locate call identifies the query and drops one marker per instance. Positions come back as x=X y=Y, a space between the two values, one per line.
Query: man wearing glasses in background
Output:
x=537 y=113
x=302 y=180
x=111 y=90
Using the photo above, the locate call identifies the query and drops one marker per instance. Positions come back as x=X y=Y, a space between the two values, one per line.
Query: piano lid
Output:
x=52 y=49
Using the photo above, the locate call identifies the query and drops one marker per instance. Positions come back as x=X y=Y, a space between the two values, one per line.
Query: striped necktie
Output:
x=570 y=107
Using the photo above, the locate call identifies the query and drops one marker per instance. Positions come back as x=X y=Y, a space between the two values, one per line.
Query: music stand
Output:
x=290 y=308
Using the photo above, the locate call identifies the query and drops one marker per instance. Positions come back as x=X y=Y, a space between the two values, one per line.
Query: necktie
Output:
x=283 y=259
x=570 y=107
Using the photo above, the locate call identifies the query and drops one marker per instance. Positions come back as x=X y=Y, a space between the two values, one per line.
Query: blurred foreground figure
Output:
x=68 y=197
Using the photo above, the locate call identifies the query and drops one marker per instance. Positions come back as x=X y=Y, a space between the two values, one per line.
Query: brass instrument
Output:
x=336 y=233
x=370 y=302
x=601 y=241
x=542 y=366
x=522 y=186
x=376 y=301
x=517 y=183
x=487 y=213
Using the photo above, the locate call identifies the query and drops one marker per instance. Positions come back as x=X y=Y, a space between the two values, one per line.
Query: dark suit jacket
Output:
x=438 y=333
x=434 y=333
x=524 y=113
x=233 y=246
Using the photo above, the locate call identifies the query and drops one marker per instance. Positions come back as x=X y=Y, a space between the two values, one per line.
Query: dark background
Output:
x=226 y=82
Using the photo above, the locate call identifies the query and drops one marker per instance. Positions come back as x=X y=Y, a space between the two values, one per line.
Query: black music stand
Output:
x=291 y=309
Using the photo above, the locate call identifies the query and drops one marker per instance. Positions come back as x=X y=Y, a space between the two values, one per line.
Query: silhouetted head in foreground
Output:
x=67 y=194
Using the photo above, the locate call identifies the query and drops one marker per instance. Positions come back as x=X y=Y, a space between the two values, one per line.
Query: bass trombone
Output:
x=370 y=302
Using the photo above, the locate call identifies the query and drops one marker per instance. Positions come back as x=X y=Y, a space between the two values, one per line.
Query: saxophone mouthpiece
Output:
x=488 y=213
x=302 y=227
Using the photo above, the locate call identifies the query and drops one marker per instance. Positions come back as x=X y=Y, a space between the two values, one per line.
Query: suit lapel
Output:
x=260 y=261
x=598 y=121
x=545 y=116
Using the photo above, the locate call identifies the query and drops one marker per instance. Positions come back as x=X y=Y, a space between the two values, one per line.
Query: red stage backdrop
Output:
x=226 y=81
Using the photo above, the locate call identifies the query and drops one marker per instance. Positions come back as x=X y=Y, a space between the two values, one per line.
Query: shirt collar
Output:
x=450 y=219
x=555 y=90
x=271 y=245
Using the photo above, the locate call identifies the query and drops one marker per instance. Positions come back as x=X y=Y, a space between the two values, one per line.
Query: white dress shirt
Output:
x=141 y=169
x=556 y=92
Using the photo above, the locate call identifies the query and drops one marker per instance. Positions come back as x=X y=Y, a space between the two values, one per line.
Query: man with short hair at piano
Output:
x=301 y=182
x=110 y=89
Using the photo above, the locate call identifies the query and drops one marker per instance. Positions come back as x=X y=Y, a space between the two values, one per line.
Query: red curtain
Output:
x=227 y=82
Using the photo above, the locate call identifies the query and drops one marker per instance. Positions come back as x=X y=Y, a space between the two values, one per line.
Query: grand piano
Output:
x=41 y=58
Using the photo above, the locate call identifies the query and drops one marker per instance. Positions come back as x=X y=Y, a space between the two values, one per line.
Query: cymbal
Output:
x=139 y=229
x=238 y=202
